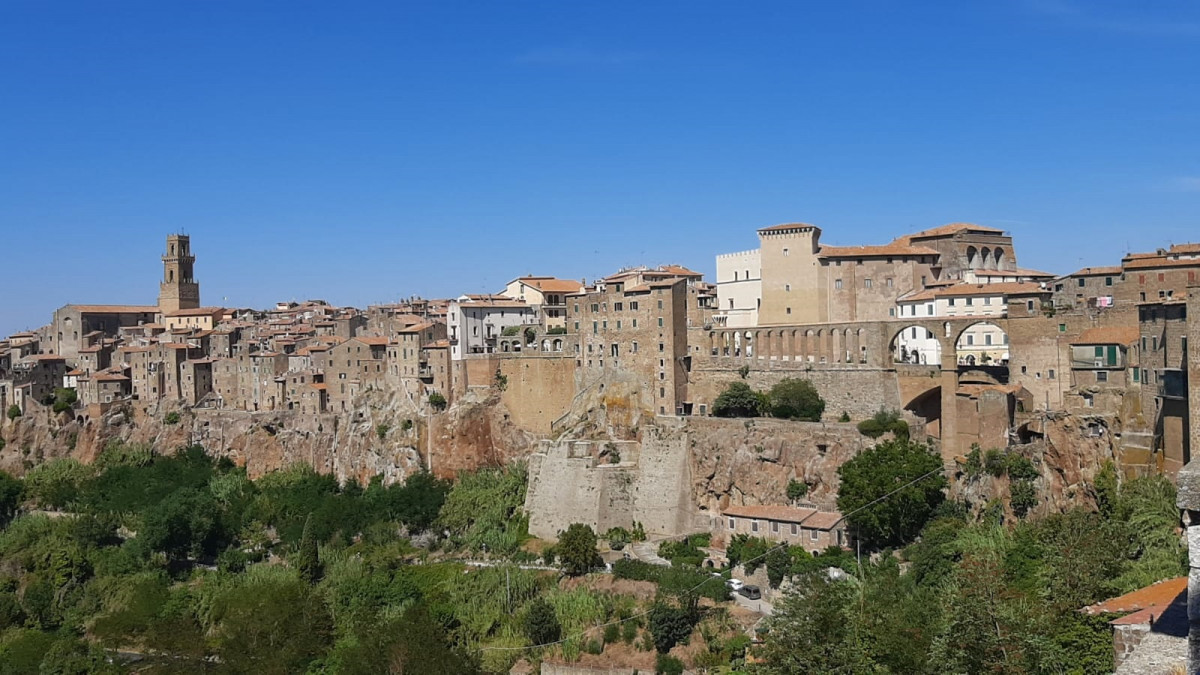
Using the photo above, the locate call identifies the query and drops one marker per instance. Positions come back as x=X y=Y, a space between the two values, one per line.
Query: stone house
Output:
x=546 y=294
x=808 y=527
x=476 y=322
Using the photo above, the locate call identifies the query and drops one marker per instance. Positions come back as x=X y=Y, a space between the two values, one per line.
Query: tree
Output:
x=890 y=491
x=669 y=625
x=541 y=623
x=577 y=549
x=14 y=411
x=186 y=522
x=437 y=401
x=796 y=399
x=796 y=489
x=813 y=631
x=738 y=400
x=307 y=563
x=10 y=497
x=779 y=561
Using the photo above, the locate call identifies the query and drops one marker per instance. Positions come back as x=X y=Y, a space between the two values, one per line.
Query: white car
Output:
x=735 y=584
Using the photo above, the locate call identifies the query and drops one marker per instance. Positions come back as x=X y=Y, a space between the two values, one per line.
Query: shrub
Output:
x=882 y=422
x=738 y=400
x=974 y=466
x=669 y=626
x=594 y=647
x=796 y=489
x=171 y=418
x=1020 y=468
x=744 y=371
x=577 y=549
x=994 y=463
x=557 y=330
x=796 y=399
x=382 y=430
x=845 y=417
x=501 y=380
x=437 y=401
x=14 y=411
x=541 y=623
x=406 y=425
x=1022 y=497
x=666 y=664
x=629 y=631
x=509 y=331
x=612 y=633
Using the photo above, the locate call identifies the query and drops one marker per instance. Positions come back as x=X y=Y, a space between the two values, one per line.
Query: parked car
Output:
x=735 y=584
x=750 y=592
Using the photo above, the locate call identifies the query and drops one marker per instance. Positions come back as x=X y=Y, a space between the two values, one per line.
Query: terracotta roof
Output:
x=494 y=303
x=784 y=227
x=373 y=341
x=1019 y=272
x=109 y=377
x=416 y=327
x=116 y=309
x=320 y=386
x=892 y=249
x=953 y=228
x=1004 y=288
x=1160 y=594
x=75 y=373
x=813 y=518
x=1108 y=335
x=551 y=284
x=197 y=311
x=1112 y=270
x=44 y=357
x=438 y=344
x=679 y=270
x=1161 y=261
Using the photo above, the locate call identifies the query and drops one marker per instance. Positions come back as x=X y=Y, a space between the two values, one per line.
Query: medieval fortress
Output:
x=613 y=381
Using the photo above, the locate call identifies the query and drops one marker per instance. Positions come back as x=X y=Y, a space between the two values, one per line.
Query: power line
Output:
x=784 y=546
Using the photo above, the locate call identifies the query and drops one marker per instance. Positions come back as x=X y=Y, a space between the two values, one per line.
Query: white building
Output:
x=739 y=288
x=981 y=343
x=475 y=322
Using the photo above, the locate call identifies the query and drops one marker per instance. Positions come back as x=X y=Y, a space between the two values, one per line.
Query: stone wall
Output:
x=857 y=390
x=539 y=390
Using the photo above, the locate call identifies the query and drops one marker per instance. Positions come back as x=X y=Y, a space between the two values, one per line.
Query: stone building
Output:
x=640 y=329
x=802 y=281
x=546 y=294
x=808 y=527
x=196 y=318
x=1164 y=332
x=476 y=322
x=178 y=289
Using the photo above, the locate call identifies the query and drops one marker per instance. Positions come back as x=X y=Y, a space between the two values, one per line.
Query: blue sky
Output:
x=364 y=151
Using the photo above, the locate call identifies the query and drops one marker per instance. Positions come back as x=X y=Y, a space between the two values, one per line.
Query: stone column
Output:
x=949 y=421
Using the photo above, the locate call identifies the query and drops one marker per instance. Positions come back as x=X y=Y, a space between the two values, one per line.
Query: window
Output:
x=970 y=339
x=660 y=304
x=1062 y=327
x=1108 y=281
x=1082 y=282
x=1136 y=375
x=814 y=535
x=633 y=306
x=789 y=310
x=889 y=283
x=633 y=347
x=754 y=526
x=618 y=306
x=775 y=526
x=950 y=302
x=987 y=339
x=1142 y=296
x=735 y=276
x=732 y=524
x=1050 y=374
x=785 y=252
x=794 y=528
x=618 y=324
x=892 y=311
x=866 y=283
x=987 y=300
x=635 y=323
x=660 y=322
x=660 y=347
x=837 y=283
x=1102 y=376
x=595 y=327
x=970 y=301
x=787 y=287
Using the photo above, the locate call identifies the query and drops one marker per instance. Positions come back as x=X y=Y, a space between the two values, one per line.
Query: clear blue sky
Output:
x=364 y=151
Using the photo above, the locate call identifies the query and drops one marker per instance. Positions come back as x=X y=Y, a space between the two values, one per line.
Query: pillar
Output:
x=949 y=422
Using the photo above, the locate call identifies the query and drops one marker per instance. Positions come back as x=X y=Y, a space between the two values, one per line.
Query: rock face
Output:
x=372 y=439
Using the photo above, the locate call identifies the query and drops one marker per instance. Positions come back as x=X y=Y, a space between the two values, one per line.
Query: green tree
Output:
x=669 y=625
x=577 y=549
x=738 y=400
x=796 y=489
x=812 y=631
x=541 y=624
x=307 y=563
x=779 y=561
x=14 y=411
x=890 y=491
x=437 y=401
x=185 y=523
x=10 y=497
x=796 y=399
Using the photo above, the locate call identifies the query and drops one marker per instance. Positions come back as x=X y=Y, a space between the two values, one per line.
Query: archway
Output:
x=982 y=344
x=928 y=406
x=916 y=345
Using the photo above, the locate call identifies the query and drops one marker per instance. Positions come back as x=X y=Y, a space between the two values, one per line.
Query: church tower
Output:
x=178 y=289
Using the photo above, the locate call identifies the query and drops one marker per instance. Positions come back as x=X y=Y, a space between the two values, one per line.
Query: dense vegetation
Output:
x=983 y=596
x=184 y=565
x=790 y=398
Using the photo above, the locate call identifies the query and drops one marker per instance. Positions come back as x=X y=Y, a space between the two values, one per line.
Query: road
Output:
x=761 y=606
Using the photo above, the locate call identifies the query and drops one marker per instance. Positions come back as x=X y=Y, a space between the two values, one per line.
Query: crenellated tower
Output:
x=178 y=289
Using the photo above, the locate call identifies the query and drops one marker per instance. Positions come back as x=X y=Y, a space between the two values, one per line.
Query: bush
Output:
x=612 y=633
x=796 y=489
x=382 y=430
x=437 y=401
x=738 y=400
x=14 y=411
x=669 y=626
x=796 y=399
x=594 y=647
x=666 y=664
x=509 y=331
x=1020 y=468
x=541 y=623
x=845 y=417
x=406 y=425
x=577 y=549
x=557 y=330
x=171 y=418
x=882 y=422
x=995 y=463
x=1022 y=496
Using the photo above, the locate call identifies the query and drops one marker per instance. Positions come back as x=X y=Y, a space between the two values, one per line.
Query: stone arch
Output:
x=998 y=254
x=917 y=345
x=558 y=344
x=972 y=257
x=985 y=258
x=862 y=346
x=986 y=336
x=810 y=345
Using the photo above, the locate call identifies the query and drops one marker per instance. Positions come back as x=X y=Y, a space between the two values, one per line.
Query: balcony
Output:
x=425 y=373
x=1172 y=383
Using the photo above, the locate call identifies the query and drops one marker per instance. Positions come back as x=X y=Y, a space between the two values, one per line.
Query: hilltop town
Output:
x=609 y=390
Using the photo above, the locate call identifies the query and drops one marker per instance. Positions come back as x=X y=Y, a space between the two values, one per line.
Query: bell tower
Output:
x=178 y=289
